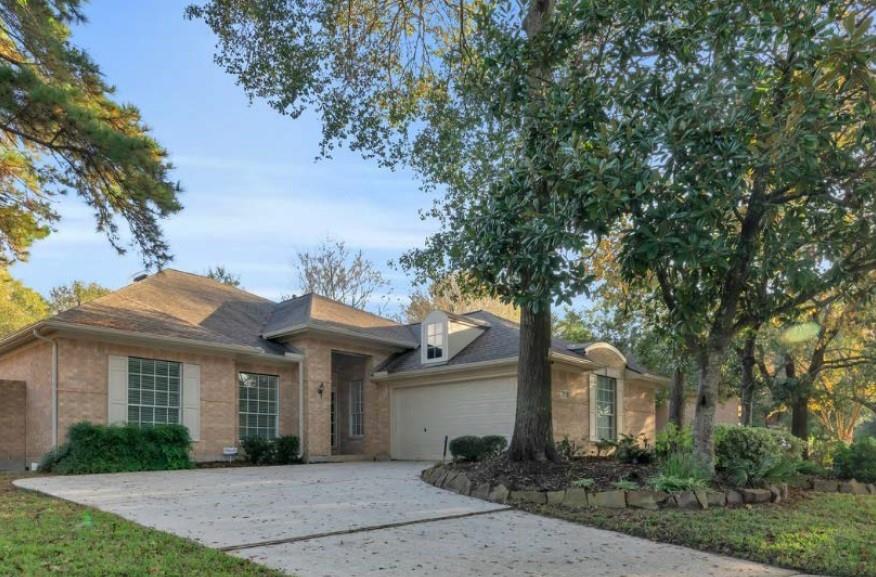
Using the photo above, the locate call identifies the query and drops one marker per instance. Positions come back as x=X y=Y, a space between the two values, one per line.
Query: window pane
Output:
x=257 y=405
x=606 y=407
x=153 y=398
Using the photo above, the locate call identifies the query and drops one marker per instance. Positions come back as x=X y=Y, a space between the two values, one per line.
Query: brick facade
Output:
x=13 y=425
x=33 y=365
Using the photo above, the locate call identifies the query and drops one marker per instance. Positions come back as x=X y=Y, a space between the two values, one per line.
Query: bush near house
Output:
x=472 y=448
x=279 y=451
x=118 y=448
x=857 y=461
x=753 y=456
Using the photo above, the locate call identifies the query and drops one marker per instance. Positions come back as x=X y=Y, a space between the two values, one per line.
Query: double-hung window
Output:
x=357 y=409
x=606 y=407
x=435 y=341
x=258 y=405
x=153 y=392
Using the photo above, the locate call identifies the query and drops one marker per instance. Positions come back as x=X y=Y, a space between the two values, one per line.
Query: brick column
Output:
x=13 y=424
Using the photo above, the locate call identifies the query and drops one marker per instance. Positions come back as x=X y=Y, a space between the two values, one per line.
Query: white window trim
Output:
x=619 y=402
x=445 y=342
x=361 y=384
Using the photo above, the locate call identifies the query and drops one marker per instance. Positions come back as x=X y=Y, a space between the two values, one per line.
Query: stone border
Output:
x=457 y=481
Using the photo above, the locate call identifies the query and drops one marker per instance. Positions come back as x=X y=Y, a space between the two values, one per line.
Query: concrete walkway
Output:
x=364 y=519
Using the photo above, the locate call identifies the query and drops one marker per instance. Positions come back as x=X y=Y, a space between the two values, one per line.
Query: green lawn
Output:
x=830 y=534
x=44 y=536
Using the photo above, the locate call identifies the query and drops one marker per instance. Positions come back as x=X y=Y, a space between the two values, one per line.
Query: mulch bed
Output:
x=555 y=476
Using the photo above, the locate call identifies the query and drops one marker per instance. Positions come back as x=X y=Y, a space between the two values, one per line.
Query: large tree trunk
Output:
x=533 y=426
x=747 y=386
x=709 y=362
x=799 y=401
x=677 y=398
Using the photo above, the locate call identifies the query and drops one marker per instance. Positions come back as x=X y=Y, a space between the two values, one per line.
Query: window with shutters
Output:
x=258 y=405
x=153 y=392
x=606 y=407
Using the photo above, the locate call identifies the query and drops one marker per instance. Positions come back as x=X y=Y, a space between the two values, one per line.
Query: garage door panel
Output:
x=423 y=416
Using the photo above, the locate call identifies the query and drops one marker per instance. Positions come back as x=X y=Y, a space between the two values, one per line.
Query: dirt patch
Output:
x=555 y=476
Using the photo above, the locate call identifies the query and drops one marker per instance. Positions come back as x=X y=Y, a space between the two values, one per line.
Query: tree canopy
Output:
x=221 y=274
x=19 y=305
x=334 y=271
x=64 y=297
x=61 y=131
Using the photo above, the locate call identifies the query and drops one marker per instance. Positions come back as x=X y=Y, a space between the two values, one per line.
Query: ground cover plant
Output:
x=42 y=536
x=827 y=534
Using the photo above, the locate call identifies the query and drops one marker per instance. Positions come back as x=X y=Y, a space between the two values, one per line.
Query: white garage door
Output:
x=423 y=416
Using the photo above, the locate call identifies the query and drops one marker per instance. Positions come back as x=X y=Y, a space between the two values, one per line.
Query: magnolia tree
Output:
x=504 y=107
x=759 y=120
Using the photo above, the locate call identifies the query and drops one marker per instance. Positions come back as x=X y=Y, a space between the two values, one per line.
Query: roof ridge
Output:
x=345 y=305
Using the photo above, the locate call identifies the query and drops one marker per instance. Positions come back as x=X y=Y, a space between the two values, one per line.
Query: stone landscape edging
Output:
x=457 y=481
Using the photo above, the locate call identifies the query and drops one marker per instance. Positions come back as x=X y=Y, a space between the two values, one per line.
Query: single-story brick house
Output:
x=176 y=347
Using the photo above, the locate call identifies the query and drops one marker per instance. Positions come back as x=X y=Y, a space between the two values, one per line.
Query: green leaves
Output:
x=63 y=133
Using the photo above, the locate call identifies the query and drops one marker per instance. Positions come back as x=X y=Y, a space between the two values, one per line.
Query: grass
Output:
x=44 y=536
x=829 y=534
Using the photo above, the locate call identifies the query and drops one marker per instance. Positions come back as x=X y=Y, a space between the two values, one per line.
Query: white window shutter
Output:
x=620 y=407
x=117 y=391
x=593 y=386
x=191 y=400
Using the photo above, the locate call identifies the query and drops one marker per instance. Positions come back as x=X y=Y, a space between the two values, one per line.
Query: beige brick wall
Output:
x=82 y=389
x=33 y=365
x=318 y=371
x=639 y=410
x=13 y=424
x=571 y=404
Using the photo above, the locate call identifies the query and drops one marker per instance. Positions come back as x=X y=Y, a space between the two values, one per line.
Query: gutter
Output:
x=36 y=334
x=175 y=341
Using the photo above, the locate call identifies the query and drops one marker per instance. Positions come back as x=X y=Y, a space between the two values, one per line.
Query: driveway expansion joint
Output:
x=313 y=536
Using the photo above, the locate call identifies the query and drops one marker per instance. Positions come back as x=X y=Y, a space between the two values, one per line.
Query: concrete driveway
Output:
x=369 y=519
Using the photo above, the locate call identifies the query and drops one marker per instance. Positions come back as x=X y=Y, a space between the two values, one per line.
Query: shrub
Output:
x=812 y=468
x=680 y=471
x=259 y=451
x=586 y=483
x=630 y=450
x=494 y=445
x=287 y=449
x=857 y=461
x=625 y=485
x=756 y=455
x=467 y=448
x=673 y=439
x=569 y=449
x=605 y=447
x=112 y=449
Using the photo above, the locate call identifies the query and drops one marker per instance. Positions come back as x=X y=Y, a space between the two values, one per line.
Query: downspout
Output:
x=36 y=333
x=301 y=410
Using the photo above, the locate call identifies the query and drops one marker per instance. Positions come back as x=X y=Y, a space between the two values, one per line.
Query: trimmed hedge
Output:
x=857 y=461
x=754 y=456
x=119 y=448
x=279 y=451
x=471 y=448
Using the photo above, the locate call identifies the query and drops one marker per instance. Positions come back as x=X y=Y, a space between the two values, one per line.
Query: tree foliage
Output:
x=221 y=274
x=19 y=305
x=60 y=131
x=446 y=295
x=334 y=271
x=64 y=297
x=758 y=119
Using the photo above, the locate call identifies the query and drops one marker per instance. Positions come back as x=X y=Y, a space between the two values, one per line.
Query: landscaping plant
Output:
x=753 y=456
x=279 y=451
x=857 y=461
x=494 y=445
x=680 y=471
x=473 y=448
x=634 y=450
x=673 y=439
x=118 y=448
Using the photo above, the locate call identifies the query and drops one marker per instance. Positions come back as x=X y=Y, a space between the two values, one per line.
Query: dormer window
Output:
x=436 y=341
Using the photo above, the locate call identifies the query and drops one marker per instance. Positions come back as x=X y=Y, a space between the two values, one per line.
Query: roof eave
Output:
x=150 y=338
x=311 y=327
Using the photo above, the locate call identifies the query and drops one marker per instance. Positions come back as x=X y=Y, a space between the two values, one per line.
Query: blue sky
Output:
x=253 y=194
